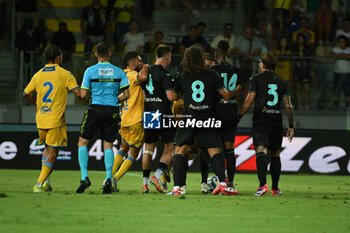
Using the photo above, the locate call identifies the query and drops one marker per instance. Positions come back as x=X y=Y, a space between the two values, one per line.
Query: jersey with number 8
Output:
x=51 y=84
x=199 y=93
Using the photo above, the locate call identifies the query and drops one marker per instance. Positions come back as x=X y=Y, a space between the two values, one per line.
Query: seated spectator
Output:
x=283 y=67
x=190 y=39
x=201 y=26
x=95 y=26
x=247 y=47
x=341 y=81
x=133 y=40
x=302 y=72
x=65 y=40
x=308 y=34
x=323 y=23
x=281 y=14
x=344 y=30
x=228 y=36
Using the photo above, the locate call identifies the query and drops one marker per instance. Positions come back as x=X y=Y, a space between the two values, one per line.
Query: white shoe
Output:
x=204 y=188
x=183 y=190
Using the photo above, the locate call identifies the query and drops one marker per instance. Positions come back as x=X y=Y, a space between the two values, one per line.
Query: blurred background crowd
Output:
x=310 y=38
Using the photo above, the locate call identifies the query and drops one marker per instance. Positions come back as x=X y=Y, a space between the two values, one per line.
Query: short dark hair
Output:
x=62 y=24
x=346 y=19
x=129 y=56
x=223 y=45
x=305 y=18
x=52 y=52
x=228 y=24
x=201 y=23
x=102 y=49
x=269 y=60
x=342 y=37
x=162 y=50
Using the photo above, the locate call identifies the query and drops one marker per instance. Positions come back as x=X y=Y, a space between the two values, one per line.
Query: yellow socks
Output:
x=125 y=167
x=118 y=159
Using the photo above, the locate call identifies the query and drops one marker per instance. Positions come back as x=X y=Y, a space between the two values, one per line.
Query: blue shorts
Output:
x=341 y=82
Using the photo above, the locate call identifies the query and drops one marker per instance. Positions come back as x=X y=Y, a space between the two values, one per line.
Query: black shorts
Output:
x=268 y=133
x=341 y=82
x=227 y=131
x=164 y=135
x=207 y=138
x=103 y=118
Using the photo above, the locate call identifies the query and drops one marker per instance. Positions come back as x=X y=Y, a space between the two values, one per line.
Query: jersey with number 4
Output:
x=52 y=84
x=270 y=90
x=227 y=109
x=159 y=81
x=199 y=93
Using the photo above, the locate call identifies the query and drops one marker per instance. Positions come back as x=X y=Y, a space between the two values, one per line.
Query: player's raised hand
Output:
x=290 y=134
x=143 y=73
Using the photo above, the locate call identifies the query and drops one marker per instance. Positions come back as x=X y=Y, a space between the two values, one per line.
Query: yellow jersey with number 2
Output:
x=52 y=84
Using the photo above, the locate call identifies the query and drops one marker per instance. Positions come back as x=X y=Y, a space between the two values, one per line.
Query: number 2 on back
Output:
x=46 y=96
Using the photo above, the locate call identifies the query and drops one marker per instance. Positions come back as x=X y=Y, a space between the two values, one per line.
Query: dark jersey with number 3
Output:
x=226 y=109
x=199 y=93
x=270 y=90
x=159 y=81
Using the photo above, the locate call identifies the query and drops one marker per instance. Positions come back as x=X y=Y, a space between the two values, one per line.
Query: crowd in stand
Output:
x=292 y=29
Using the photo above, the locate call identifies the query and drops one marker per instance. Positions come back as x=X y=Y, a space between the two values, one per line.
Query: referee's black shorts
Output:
x=103 y=118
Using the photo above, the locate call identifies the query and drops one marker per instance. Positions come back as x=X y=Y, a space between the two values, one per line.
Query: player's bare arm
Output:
x=226 y=94
x=124 y=95
x=84 y=93
x=76 y=91
x=143 y=75
x=290 y=116
x=246 y=105
x=30 y=98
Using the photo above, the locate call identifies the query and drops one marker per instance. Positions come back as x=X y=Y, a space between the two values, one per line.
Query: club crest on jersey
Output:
x=152 y=120
x=105 y=71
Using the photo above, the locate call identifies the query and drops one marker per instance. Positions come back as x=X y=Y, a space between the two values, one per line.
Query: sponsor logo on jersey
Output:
x=152 y=120
x=45 y=110
x=157 y=99
x=105 y=71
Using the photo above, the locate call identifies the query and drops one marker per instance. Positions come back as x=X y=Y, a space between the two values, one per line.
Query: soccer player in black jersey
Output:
x=198 y=87
x=226 y=110
x=267 y=91
x=159 y=93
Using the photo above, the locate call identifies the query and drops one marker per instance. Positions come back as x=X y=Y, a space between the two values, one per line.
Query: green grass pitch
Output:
x=310 y=203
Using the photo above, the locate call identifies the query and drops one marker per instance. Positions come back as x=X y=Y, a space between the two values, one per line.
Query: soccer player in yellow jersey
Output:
x=131 y=129
x=51 y=84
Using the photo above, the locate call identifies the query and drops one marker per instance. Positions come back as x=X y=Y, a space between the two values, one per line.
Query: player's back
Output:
x=230 y=78
x=199 y=93
x=270 y=89
x=133 y=107
x=104 y=81
x=52 y=84
x=159 y=81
